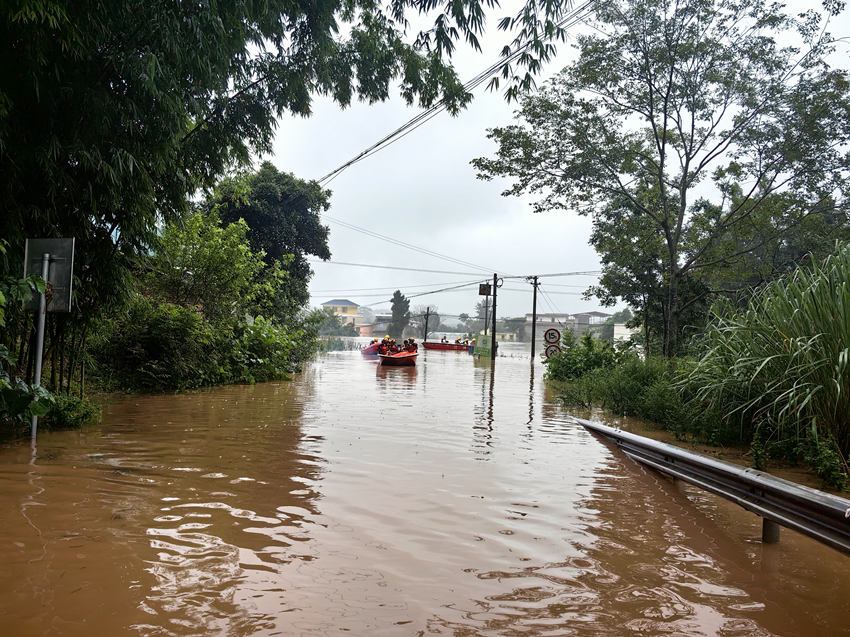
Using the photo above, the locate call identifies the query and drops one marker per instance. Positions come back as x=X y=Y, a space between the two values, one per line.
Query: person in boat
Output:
x=412 y=347
x=444 y=339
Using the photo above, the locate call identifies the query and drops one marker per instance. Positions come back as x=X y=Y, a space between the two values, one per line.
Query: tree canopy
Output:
x=400 y=314
x=282 y=215
x=110 y=113
x=199 y=264
x=676 y=128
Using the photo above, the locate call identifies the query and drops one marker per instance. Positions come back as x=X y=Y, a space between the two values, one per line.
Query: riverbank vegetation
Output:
x=773 y=375
x=710 y=143
x=707 y=140
x=133 y=129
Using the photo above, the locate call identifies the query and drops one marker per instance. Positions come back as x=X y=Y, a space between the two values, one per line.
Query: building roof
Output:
x=569 y=314
x=340 y=302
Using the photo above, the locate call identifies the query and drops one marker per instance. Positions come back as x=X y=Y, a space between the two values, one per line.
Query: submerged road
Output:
x=451 y=498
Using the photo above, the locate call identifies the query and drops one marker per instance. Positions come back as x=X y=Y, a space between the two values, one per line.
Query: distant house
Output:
x=343 y=308
x=578 y=322
x=377 y=328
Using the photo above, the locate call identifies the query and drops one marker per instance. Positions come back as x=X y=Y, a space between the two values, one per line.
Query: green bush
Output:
x=158 y=346
x=782 y=364
x=70 y=412
x=19 y=401
x=260 y=352
x=578 y=358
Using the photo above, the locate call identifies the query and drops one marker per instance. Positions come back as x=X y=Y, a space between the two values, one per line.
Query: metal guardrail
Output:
x=822 y=516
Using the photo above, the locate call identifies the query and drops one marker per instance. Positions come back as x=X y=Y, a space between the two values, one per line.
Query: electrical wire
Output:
x=394 y=267
x=568 y=21
x=540 y=276
x=391 y=288
x=413 y=296
x=404 y=244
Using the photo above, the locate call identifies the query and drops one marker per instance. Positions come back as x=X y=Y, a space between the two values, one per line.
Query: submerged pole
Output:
x=769 y=531
x=534 y=319
x=39 y=337
x=493 y=342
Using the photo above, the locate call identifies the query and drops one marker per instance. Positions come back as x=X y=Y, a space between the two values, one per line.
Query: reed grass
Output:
x=779 y=368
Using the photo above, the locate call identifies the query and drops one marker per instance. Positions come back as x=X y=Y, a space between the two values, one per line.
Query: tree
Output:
x=418 y=319
x=607 y=330
x=113 y=114
x=401 y=314
x=333 y=325
x=516 y=325
x=203 y=266
x=110 y=113
x=678 y=99
x=282 y=214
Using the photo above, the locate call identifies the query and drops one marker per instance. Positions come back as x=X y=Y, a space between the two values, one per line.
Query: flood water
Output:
x=453 y=498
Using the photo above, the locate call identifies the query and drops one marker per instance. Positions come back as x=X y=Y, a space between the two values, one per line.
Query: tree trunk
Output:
x=671 y=318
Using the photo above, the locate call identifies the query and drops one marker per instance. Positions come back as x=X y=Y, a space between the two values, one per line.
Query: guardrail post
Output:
x=769 y=531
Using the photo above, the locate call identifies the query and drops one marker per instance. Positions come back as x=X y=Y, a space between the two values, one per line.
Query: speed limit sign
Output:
x=551 y=350
x=552 y=335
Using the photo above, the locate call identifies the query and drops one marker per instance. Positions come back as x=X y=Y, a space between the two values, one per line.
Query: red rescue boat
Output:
x=398 y=359
x=455 y=347
x=371 y=349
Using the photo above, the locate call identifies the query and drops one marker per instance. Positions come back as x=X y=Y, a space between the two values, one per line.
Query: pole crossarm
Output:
x=822 y=516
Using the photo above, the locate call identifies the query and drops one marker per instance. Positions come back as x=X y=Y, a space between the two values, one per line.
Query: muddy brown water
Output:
x=452 y=498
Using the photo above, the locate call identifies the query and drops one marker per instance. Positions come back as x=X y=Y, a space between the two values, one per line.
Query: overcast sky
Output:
x=422 y=190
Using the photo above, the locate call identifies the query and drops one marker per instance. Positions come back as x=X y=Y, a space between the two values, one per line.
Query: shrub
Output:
x=158 y=346
x=783 y=363
x=20 y=401
x=578 y=358
x=261 y=352
x=70 y=412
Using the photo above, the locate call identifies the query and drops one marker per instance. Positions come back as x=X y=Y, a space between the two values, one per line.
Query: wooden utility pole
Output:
x=534 y=318
x=495 y=282
x=427 y=314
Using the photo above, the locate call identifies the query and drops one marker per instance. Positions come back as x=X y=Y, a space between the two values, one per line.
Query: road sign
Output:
x=483 y=289
x=552 y=336
x=551 y=350
x=60 y=271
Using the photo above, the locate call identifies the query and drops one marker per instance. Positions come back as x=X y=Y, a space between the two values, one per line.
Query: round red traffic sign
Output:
x=552 y=335
x=551 y=350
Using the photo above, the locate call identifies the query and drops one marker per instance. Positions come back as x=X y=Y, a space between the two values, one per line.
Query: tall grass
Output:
x=779 y=368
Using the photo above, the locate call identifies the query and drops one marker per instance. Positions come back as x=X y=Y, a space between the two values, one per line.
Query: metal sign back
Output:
x=60 y=275
x=483 y=289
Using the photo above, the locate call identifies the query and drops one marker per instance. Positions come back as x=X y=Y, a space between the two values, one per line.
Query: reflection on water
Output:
x=453 y=497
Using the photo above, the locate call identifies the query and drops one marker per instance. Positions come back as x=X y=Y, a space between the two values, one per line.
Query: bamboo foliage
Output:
x=782 y=365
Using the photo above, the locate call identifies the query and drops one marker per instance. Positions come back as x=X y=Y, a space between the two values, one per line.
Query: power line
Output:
x=528 y=291
x=582 y=273
x=572 y=18
x=385 y=287
x=413 y=296
x=404 y=244
x=394 y=267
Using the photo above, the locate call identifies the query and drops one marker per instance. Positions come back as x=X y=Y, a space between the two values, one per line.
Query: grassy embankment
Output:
x=770 y=380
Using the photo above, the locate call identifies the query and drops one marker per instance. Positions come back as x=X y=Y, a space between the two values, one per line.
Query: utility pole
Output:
x=39 y=339
x=486 y=314
x=495 y=282
x=534 y=318
x=427 y=314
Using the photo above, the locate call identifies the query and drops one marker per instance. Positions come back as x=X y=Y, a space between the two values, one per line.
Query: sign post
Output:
x=40 y=255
